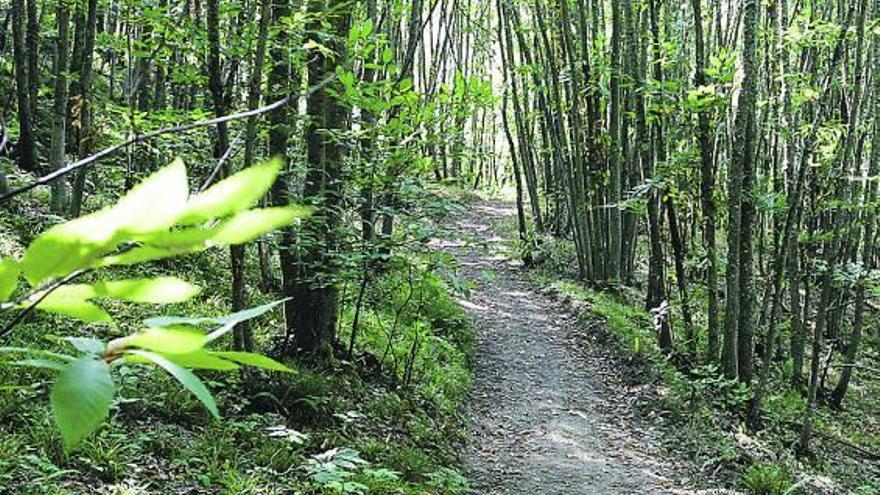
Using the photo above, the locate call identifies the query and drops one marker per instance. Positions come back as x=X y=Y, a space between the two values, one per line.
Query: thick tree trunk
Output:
x=315 y=291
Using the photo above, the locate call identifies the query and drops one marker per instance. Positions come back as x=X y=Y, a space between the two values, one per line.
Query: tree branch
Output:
x=49 y=178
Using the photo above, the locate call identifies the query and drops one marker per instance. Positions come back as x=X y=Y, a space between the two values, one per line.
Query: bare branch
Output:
x=49 y=178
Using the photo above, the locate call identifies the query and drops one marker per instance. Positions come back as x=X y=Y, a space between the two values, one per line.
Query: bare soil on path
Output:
x=546 y=415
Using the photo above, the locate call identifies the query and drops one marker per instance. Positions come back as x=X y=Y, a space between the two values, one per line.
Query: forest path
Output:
x=543 y=420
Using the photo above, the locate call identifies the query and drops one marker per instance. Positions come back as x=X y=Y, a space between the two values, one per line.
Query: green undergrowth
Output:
x=702 y=415
x=383 y=420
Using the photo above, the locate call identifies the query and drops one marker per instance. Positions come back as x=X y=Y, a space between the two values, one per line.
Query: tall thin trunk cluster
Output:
x=694 y=134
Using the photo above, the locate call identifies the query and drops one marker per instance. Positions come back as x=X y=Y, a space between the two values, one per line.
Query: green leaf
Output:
x=156 y=203
x=228 y=321
x=47 y=364
x=195 y=360
x=256 y=360
x=9 y=272
x=73 y=301
x=238 y=229
x=249 y=225
x=232 y=195
x=81 y=399
x=76 y=244
x=36 y=352
x=158 y=290
x=86 y=345
x=68 y=247
x=186 y=378
x=203 y=360
x=149 y=253
x=250 y=313
x=171 y=340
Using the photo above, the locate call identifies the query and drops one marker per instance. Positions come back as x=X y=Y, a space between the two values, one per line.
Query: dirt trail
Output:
x=543 y=419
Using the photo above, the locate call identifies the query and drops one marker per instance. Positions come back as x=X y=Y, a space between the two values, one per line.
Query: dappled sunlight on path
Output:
x=536 y=407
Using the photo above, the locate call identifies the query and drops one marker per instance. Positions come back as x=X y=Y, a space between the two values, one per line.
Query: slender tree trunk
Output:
x=27 y=155
x=870 y=198
x=280 y=82
x=85 y=92
x=707 y=192
x=745 y=154
x=656 y=264
x=507 y=67
x=615 y=218
x=59 y=107
x=33 y=57
x=250 y=139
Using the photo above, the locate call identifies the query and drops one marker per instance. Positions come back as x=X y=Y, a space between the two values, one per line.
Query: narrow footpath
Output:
x=543 y=419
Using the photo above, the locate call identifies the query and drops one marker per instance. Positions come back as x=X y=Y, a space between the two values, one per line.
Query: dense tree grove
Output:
x=765 y=107
x=719 y=158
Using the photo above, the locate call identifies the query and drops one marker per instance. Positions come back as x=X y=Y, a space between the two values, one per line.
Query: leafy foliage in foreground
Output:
x=122 y=234
x=269 y=434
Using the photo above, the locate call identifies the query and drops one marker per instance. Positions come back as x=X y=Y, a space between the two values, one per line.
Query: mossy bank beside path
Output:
x=543 y=420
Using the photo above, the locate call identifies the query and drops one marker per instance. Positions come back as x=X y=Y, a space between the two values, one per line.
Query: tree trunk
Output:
x=314 y=289
x=85 y=92
x=27 y=155
x=59 y=107
x=707 y=192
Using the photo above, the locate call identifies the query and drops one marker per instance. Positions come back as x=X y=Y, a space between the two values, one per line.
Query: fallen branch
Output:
x=869 y=454
x=846 y=443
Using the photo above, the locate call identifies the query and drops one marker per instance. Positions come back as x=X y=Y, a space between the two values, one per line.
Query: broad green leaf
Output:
x=86 y=345
x=47 y=364
x=228 y=322
x=238 y=229
x=73 y=301
x=250 y=313
x=156 y=203
x=36 y=352
x=249 y=225
x=234 y=318
x=216 y=334
x=76 y=244
x=181 y=239
x=171 y=340
x=195 y=360
x=68 y=247
x=148 y=253
x=256 y=360
x=186 y=378
x=9 y=272
x=166 y=321
x=81 y=398
x=159 y=290
x=232 y=195
x=202 y=360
